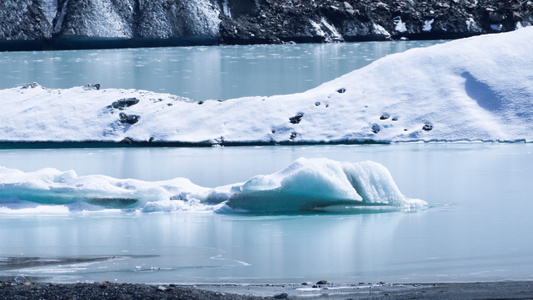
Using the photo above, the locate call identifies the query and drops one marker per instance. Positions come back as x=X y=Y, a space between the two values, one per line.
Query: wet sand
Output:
x=108 y=290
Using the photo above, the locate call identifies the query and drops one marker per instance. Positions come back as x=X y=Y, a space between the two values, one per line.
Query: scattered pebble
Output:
x=296 y=119
x=129 y=119
x=281 y=296
x=376 y=128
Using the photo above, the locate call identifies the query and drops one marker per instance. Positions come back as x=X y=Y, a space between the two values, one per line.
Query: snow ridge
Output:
x=475 y=89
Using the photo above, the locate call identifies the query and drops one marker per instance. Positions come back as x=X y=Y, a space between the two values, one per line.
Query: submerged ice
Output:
x=304 y=185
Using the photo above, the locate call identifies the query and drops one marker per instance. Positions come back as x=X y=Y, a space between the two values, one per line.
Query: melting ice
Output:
x=304 y=185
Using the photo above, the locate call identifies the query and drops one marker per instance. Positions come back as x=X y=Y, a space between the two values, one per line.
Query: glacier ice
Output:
x=304 y=185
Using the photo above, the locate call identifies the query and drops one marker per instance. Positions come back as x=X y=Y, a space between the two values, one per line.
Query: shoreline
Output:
x=319 y=290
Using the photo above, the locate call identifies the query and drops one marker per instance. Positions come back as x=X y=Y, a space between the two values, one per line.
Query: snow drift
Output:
x=478 y=88
x=305 y=185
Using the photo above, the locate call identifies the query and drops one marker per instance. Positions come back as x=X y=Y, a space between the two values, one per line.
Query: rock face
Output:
x=62 y=24
x=22 y=23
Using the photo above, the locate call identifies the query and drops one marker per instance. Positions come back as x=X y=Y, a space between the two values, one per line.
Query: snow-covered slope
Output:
x=478 y=88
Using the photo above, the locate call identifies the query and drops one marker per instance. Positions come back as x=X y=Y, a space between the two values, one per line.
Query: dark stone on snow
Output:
x=293 y=135
x=427 y=127
x=92 y=86
x=31 y=85
x=394 y=119
x=151 y=139
x=123 y=103
x=127 y=140
x=129 y=119
x=296 y=119
x=322 y=282
x=317 y=103
x=384 y=116
x=341 y=91
x=376 y=128
x=281 y=296
x=200 y=102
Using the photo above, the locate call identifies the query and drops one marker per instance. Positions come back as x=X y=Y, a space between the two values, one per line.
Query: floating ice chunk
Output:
x=316 y=184
x=304 y=185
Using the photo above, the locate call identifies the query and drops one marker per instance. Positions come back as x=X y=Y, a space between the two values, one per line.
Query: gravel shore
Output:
x=108 y=290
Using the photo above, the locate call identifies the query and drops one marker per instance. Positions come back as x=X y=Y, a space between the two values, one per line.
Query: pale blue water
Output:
x=198 y=72
x=476 y=228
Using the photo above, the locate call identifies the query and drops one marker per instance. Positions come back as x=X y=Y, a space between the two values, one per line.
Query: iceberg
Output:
x=306 y=185
x=474 y=89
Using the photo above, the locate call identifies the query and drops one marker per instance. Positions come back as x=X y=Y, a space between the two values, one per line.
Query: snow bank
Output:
x=305 y=185
x=478 y=88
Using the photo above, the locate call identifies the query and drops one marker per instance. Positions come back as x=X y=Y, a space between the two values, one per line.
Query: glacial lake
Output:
x=476 y=228
x=199 y=73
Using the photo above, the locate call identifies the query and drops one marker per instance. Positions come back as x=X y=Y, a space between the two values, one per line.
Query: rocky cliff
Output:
x=60 y=24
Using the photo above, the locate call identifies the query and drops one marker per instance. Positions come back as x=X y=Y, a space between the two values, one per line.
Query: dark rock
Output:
x=123 y=103
x=128 y=119
x=496 y=17
x=384 y=116
x=200 y=102
x=92 y=86
x=281 y=296
x=323 y=282
x=293 y=135
x=317 y=103
x=31 y=85
x=427 y=127
x=151 y=139
x=37 y=25
x=341 y=91
x=376 y=128
x=296 y=119
x=127 y=140
x=394 y=119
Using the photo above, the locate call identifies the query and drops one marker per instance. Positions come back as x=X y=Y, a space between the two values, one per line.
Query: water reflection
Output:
x=200 y=73
x=476 y=228
x=189 y=247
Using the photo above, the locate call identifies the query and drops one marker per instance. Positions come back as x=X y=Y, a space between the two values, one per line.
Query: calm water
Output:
x=198 y=72
x=476 y=228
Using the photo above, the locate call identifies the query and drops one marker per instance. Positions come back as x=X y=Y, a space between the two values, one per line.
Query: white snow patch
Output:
x=226 y=9
x=326 y=30
x=400 y=25
x=472 y=26
x=475 y=89
x=496 y=27
x=50 y=9
x=205 y=16
x=379 y=30
x=427 y=25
